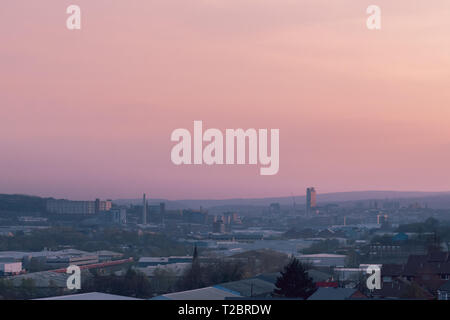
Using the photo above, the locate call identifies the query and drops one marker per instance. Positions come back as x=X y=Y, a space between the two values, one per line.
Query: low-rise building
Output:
x=9 y=266
x=65 y=261
x=323 y=259
x=158 y=261
x=444 y=291
x=176 y=269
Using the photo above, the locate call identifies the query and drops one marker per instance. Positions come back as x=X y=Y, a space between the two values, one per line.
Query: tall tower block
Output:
x=310 y=200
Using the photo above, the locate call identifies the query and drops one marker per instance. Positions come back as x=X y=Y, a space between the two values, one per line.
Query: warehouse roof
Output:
x=322 y=255
x=249 y=287
x=90 y=296
x=333 y=294
x=208 y=293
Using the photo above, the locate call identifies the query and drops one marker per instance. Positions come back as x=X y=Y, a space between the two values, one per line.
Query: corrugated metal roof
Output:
x=332 y=294
x=322 y=255
x=90 y=296
x=250 y=287
x=208 y=293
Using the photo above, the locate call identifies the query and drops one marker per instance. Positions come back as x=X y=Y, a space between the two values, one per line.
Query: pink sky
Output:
x=89 y=113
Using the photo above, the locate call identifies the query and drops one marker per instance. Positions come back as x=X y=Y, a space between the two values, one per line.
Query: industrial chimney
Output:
x=144 y=210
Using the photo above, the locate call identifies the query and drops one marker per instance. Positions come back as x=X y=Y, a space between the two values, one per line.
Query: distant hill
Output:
x=21 y=203
x=336 y=197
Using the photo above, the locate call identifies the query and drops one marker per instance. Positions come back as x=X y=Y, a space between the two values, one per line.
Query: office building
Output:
x=311 y=203
x=102 y=205
x=156 y=212
x=119 y=216
x=197 y=217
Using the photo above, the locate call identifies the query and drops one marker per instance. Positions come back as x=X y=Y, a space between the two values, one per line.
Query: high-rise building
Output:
x=144 y=210
x=311 y=203
x=102 y=205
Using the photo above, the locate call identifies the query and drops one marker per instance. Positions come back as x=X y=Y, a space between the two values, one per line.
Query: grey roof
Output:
x=260 y=286
x=316 y=275
x=19 y=254
x=332 y=294
x=108 y=253
x=90 y=296
x=321 y=255
x=153 y=259
x=45 y=253
x=269 y=277
x=208 y=293
x=250 y=287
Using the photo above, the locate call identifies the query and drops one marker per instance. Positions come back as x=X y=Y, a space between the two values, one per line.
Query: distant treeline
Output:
x=129 y=242
x=440 y=228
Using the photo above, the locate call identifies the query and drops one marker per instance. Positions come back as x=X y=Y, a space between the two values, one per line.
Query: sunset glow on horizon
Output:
x=89 y=113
